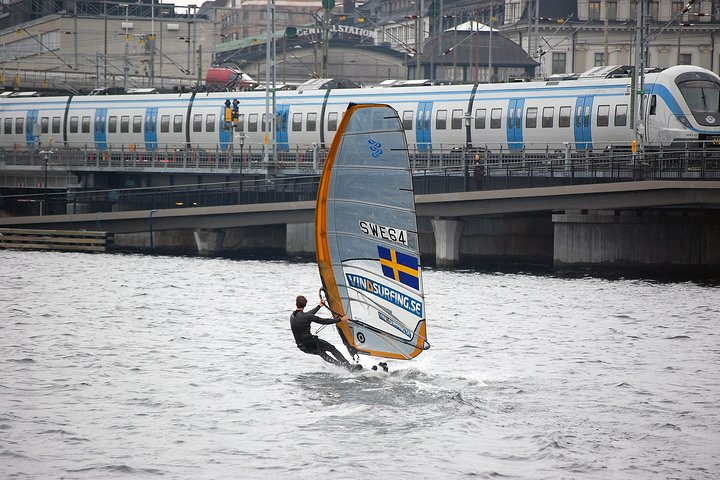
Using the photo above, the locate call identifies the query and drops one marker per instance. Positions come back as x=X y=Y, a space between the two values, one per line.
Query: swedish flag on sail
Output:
x=400 y=267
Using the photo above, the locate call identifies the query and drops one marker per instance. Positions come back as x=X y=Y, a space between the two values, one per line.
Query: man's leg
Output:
x=324 y=346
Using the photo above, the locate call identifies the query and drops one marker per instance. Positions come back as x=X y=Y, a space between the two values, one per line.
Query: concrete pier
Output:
x=630 y=238
x=300 y=239
x=209 y=242
x=447 y=240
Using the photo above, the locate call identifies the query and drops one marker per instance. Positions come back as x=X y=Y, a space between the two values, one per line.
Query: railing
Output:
x=293 y=176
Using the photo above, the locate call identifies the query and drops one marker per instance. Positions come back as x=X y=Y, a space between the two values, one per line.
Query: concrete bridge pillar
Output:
x=209 y=242
x=300 y=239
x=644 y=238
x=447 y=240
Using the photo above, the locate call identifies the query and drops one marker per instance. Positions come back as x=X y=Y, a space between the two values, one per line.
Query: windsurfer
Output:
x=307 y=342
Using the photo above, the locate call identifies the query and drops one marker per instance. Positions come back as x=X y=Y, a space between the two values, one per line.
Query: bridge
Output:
x=659 y=223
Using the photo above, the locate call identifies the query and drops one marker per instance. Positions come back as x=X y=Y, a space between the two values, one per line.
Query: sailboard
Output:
x=367 y=239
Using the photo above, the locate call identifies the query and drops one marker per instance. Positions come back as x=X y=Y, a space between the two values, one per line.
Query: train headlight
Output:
x=685 y=122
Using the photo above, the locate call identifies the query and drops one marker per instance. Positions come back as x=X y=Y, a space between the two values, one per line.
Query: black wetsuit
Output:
x=309 y=343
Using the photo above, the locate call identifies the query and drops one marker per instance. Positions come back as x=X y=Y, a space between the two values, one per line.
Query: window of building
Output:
x=210 y=123
x=165 y=123
x=531 y=117
x=558 y=62
x=297 y=122
x=124 y=124
x=8 y=126
x=621 y=115
x=564 y=120
x=177 y=123
x=495 y=118
x=137 y=124
x=407 y=120
x=456 y=122
x=548 y=117
x=480 y=114
x=311 y=123
x=594 y=10
x=603 y=115
x=599 y=59
x=112 y=124
x=85 y=128
x=44 y=122
x=56 y=125
x=332 y=121
x=685 y=59
x=441 y=120
x=611 y=10
x=19 y=125
x=197 y=122
x=252 y=122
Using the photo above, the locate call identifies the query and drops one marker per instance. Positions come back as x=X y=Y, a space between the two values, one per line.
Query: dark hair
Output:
x=300 y=301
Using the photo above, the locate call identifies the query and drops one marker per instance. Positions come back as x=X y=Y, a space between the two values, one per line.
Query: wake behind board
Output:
x=366 y=234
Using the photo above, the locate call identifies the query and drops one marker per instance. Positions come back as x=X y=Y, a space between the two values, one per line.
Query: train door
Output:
x=423 y=125
x=515 y=124
x=225 y=130
x=281 y=128
x=30 y=128
x=99 y=130
x=583 y=123
x=151 y=128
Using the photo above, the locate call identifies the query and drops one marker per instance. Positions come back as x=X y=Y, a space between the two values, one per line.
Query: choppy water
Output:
x=129 y=366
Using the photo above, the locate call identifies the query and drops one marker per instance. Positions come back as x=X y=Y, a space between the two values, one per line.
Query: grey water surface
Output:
x=131 y=366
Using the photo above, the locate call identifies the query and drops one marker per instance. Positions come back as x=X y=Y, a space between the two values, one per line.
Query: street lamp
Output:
x=46 y=154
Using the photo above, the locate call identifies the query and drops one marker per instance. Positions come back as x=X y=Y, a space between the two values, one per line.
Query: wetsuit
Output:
x=309 y=343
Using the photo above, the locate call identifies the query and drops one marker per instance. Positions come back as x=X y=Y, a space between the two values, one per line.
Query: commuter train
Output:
x=681 y=105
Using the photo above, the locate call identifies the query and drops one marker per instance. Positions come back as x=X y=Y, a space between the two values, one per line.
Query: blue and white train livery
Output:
x=681 y=104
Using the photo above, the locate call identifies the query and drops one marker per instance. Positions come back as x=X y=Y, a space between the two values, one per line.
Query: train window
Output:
x=441 y=120
x=603 y=115
x=240 y=126
x=531 y=117
x=586 y=120
x=511 y=118
x=8 y=126
x=197 y=122
x=165 y=123
x=578 y=116
x=137 y=124
x=112 y=124
x=210 y=123
x=548 y=117
x=151 y=124
x=85 y=125
x=264 y=121
x=19 y=125
x=456 y=121
x=621 y=115
x=56 y=125
x=518 y=118
x=495 y=118
x=297 y=122
x=73 y=124
x=124 y=124
x=311 y=123
x=480 y=114
x=407 y=120
x=332 y=121
x=253 y=122
x=177 y=123
x=653 y=105
x=44 y=122
x=564 y=120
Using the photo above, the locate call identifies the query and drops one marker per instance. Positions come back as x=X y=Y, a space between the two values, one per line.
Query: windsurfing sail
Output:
x=367 y=239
